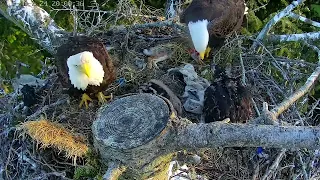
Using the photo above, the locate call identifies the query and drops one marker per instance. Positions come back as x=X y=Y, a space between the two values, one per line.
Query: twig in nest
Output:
x=46 y=107
x=161 y=24
x=303 y=166
x=275 y=164
x=279 y=109
x=244 y=78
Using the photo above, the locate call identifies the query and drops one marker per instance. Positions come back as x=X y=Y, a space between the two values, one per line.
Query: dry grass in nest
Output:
x=125 y=61
x=128 y=46
x=49 y=134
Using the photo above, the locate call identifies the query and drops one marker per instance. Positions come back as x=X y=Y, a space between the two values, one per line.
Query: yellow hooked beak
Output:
x=201 y=55
x=86 y=69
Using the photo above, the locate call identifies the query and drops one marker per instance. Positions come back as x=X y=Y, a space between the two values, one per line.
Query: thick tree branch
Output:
x=152 y=134
x=306 y=20
x=244 y=135
x=35 y=21
x=298 y=94
x=279 y=109
x=170 y=11
x=294 y=37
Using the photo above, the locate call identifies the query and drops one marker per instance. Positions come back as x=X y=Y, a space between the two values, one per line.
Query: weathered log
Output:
x=136 y=130
x=35 y=21
x=132 y=130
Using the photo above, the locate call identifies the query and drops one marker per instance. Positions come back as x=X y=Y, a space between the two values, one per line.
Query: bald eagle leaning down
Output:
x=210 y=21
x=84 y=67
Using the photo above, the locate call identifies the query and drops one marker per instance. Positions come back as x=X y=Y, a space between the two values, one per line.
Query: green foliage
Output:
x=254 y=24
x=16 y=47
x=64 y=18
x=315 y=11
x=86 y=171
x=156 y=3
x=92 y=168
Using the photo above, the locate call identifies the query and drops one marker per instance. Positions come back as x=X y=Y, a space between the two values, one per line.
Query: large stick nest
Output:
x=269 y=78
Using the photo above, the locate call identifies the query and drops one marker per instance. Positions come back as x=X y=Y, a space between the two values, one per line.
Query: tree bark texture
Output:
x=132 y=130
x=34 y=21
x=137 y=129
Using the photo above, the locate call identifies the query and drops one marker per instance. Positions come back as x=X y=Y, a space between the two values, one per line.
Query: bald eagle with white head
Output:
x=210 y=21
x=85 y=67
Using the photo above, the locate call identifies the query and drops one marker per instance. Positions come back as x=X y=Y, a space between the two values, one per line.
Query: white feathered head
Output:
x=84 y=70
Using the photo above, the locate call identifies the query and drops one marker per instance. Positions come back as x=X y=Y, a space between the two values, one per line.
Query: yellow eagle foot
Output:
x=85 y=98
x=102 y=98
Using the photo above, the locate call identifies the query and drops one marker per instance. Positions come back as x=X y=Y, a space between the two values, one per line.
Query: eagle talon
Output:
x=102 y=98
x=85 y=98
x=207 y=52
x=200 y=62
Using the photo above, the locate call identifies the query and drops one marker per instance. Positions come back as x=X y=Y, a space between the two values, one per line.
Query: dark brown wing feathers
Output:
x=227 y=98
x=225 y=17
x=78 y=44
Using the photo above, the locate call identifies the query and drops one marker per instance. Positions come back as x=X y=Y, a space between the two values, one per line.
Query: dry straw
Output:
x=49 y=134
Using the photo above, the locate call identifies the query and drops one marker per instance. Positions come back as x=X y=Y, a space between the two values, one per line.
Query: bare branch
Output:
x=43 y=109
x=298 y=94
x=243 y=135
x=161 y=24
x=243 y=74
x=274 y=20
x=294 y=37
x=35 y=21
x=305 y=175
x=275 y=164
x=306 y=20
x=301 y=91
